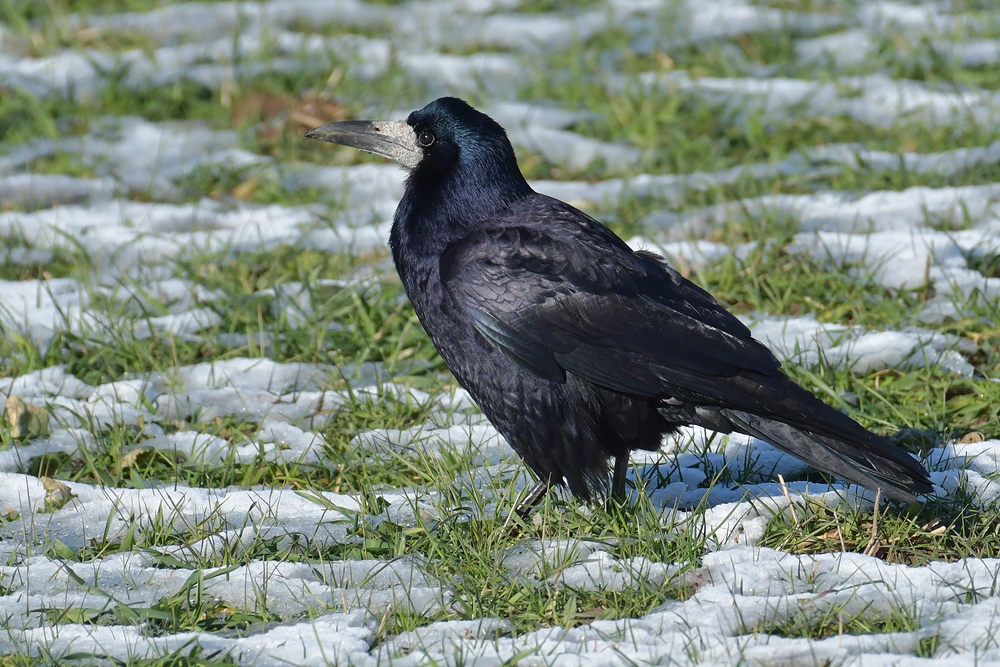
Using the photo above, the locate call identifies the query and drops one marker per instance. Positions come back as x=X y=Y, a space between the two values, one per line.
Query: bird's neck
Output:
x=439 y=209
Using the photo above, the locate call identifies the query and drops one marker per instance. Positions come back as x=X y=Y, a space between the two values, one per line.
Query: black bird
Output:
x=576 y=347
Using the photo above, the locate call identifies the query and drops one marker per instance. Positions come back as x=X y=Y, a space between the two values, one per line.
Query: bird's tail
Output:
x=862 y=457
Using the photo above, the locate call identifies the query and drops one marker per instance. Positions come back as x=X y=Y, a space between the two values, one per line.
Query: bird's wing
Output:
x=573 y=297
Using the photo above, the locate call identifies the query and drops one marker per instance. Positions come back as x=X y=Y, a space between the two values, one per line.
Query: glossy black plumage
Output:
x=576 y=347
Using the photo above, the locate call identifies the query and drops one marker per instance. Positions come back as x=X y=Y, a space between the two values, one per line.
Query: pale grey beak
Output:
x=393 y=139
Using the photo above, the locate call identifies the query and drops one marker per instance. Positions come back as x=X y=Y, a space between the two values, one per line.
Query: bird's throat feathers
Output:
x=445 y=198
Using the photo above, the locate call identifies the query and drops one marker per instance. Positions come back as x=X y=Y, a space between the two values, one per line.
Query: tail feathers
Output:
x=868 y=460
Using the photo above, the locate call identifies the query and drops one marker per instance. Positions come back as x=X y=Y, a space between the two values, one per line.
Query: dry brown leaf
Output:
x=314 y=109
x=257 y=106
x=57 y=494
x=26 y=419
x=245 y=189
x=128 y=460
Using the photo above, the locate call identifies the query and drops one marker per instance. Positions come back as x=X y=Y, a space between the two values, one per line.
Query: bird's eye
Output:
x=426 y=139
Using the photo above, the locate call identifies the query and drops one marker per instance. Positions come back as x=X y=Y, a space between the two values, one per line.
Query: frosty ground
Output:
x=229 y=442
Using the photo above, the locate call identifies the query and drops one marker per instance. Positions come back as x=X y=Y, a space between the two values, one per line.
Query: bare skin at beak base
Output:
x=395 y=140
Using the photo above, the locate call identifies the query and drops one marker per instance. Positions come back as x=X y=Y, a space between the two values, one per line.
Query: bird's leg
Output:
x=534 y=497
x=618 y=479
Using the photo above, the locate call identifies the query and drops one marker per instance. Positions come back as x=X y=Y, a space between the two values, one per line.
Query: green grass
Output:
x=63 y=262
x=834 y=621
x=946 y=530
x=682 y=132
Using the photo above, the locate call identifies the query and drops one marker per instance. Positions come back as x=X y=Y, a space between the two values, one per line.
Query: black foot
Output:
x=618 y=479
x=534 y=497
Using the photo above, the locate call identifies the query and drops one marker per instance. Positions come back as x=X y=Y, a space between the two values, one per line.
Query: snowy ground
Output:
x=91 y=571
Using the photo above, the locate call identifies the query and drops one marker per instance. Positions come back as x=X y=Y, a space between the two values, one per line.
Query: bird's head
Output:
x=447 y=143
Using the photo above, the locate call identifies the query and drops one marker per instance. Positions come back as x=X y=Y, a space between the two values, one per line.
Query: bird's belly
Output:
x=563 y=430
